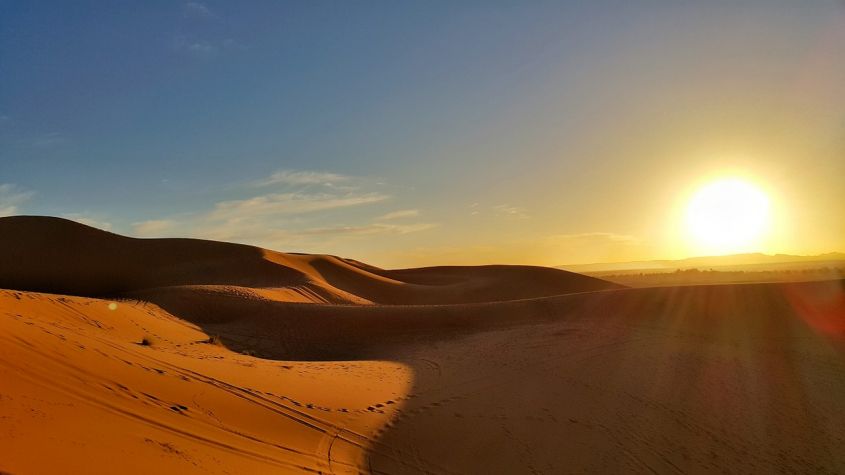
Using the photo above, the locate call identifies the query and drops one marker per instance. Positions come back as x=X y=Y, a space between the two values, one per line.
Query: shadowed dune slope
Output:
x=60 y=256
x=313 y=332
x=709 y=379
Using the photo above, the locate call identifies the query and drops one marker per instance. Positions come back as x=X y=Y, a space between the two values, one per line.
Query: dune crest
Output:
x=61 y=256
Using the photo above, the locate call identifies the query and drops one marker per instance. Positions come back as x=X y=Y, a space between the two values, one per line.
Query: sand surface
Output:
x=121 y=355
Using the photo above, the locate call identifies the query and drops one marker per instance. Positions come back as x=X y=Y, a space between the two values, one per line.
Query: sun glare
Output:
x=728 y=216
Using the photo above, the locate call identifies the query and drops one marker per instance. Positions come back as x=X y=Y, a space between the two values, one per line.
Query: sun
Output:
x=727 y=216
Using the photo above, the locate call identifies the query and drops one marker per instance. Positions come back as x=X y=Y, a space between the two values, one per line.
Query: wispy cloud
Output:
x=205 y=48
x=281 y=218
x=47 y=140
x=290 y=203
x=370 y=229
x=290 y=210
x=511 y=211
x=302 y=177
x=12 y=197
x=204 y=33
x=298 y=192
x=196 y=47
x=592 y=237
x=12 y=131
x=399 y=214
x=502 y=210
x=196 y=9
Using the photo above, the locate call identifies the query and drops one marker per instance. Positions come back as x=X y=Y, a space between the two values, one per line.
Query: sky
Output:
x=425 y=133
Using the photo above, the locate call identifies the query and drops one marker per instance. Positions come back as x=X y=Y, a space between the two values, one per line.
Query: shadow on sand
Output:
x=740 y=377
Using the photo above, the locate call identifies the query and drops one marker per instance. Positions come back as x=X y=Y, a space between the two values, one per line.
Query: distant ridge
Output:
x=749 y=261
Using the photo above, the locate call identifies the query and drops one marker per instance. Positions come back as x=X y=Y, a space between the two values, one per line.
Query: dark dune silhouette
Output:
x=61 y=256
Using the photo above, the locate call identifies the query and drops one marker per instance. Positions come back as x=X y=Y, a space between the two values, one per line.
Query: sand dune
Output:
x=81 y=394
x=323 y=364
x=62 y=256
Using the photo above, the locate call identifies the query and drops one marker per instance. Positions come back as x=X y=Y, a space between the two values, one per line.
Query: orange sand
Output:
x=323 y=364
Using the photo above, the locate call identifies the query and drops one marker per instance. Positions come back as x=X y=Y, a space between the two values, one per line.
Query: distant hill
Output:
x=735 y=262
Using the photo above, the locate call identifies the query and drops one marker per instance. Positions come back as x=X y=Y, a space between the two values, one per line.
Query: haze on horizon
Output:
x=407 y=135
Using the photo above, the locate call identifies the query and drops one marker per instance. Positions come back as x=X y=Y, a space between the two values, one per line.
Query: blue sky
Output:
x=429 y=132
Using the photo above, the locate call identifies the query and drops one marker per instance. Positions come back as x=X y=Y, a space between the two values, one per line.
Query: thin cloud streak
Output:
x=375 y=228
x=290 y=204
x=197 y=10
x=279 y=219
x=510 y=211
x=302 y=177
x=399 y=214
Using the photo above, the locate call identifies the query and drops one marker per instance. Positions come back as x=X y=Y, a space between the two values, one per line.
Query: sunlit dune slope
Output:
x=60 y=256
x=85 y=389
